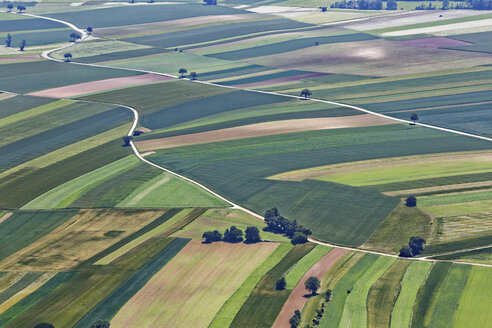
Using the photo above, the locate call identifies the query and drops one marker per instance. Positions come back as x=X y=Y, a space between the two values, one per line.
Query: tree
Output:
x=68 y=57
x=21 y=8
x=295 y=320
x=252 y=235
x=312 y=284
x=414 y=117
x=127 y=140
x=233 y=235
x=281 y=284
x=74 y=37
x=211 y=236
x=210 y=2
x=328 y=295
x=299 y=238
x=411 y=201
x=417 y=245
x=306 y=93
x=10 y=7
x=193 y=75
x=89 y=29
x=44 y=325
x=391 y=5
x=8 y=42
x=182 y=71
x=445 y=4
x=100 y=324
x=22 y=45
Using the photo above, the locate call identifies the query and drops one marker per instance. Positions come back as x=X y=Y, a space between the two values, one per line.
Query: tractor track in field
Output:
x=46 y=55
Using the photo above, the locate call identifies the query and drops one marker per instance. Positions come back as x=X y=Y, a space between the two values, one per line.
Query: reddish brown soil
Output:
x=19 y=58
x=264 y=129
x=101 y=85
x=297 y=299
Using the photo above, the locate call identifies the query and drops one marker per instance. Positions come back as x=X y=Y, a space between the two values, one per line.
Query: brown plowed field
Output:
x=101 y=85
x=296 y=300
x=263 y=129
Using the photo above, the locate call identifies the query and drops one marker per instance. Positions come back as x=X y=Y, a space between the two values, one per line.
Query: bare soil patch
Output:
x=101 y=85
x=297 y=299
x=263 y=129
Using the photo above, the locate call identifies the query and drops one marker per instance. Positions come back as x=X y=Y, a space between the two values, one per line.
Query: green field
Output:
x=264 y=303
x=414 y=277
x=230 y=309
x=300 y=268
x=383 y=294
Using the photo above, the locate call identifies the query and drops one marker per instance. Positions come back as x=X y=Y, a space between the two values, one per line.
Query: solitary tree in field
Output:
x=74 y=37
x=414 y=117
x=306 y=93
x=411 y=201
x=280 y=284
x=8 y=42
x=22 y=45
x=10 y=7
x=127 y=140
x=68 y=57
x=100 y=324
x=21 y=8
x=312 y=284
x=89 y=30
x=182 y=71
x=44 y=325
x=193 y=75
x=252 y=235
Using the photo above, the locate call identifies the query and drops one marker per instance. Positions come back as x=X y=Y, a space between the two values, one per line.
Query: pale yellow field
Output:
x=193 y=286
x=81 y=237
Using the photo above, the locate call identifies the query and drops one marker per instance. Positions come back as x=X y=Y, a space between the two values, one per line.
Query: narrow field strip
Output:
x=112 y=304
x=414 y=277
x=262 y=129
x=98 y=86
x=63 y=195
x=210 y=274
x=34 y=112
x=299 y=269
x=355 y=310
x=85 y=234
x=36 y=284
x=10 y=278
x=297 y=299
x=19 y=285
x=164 y=228
x=230 y=309
x=383 y=294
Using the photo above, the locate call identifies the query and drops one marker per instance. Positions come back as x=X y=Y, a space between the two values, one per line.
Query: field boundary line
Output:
x=46 y=55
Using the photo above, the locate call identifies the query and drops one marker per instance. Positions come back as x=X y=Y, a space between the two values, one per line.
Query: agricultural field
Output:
x=130 y=133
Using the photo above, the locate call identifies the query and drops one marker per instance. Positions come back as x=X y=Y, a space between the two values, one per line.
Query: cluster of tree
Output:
x=183 y=71
x=74 y=37
x=233 y=235
x=8 y=42
x=295 y=320
x=365 y=4
x=411 y=201
x=127 y=140
x=68 y=57
x=479 y=4
x=415 y=247
x=278 y=224
x=424 y=7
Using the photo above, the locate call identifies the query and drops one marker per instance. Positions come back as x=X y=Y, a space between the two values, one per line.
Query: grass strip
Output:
x=265 y=302
x=300 y=268
x=230 y=309
x=427 y=295
x=110 y=306
x=356 y=307
x=384 y=293
x=164 y=228
x=23 y=305
x=19 y=285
